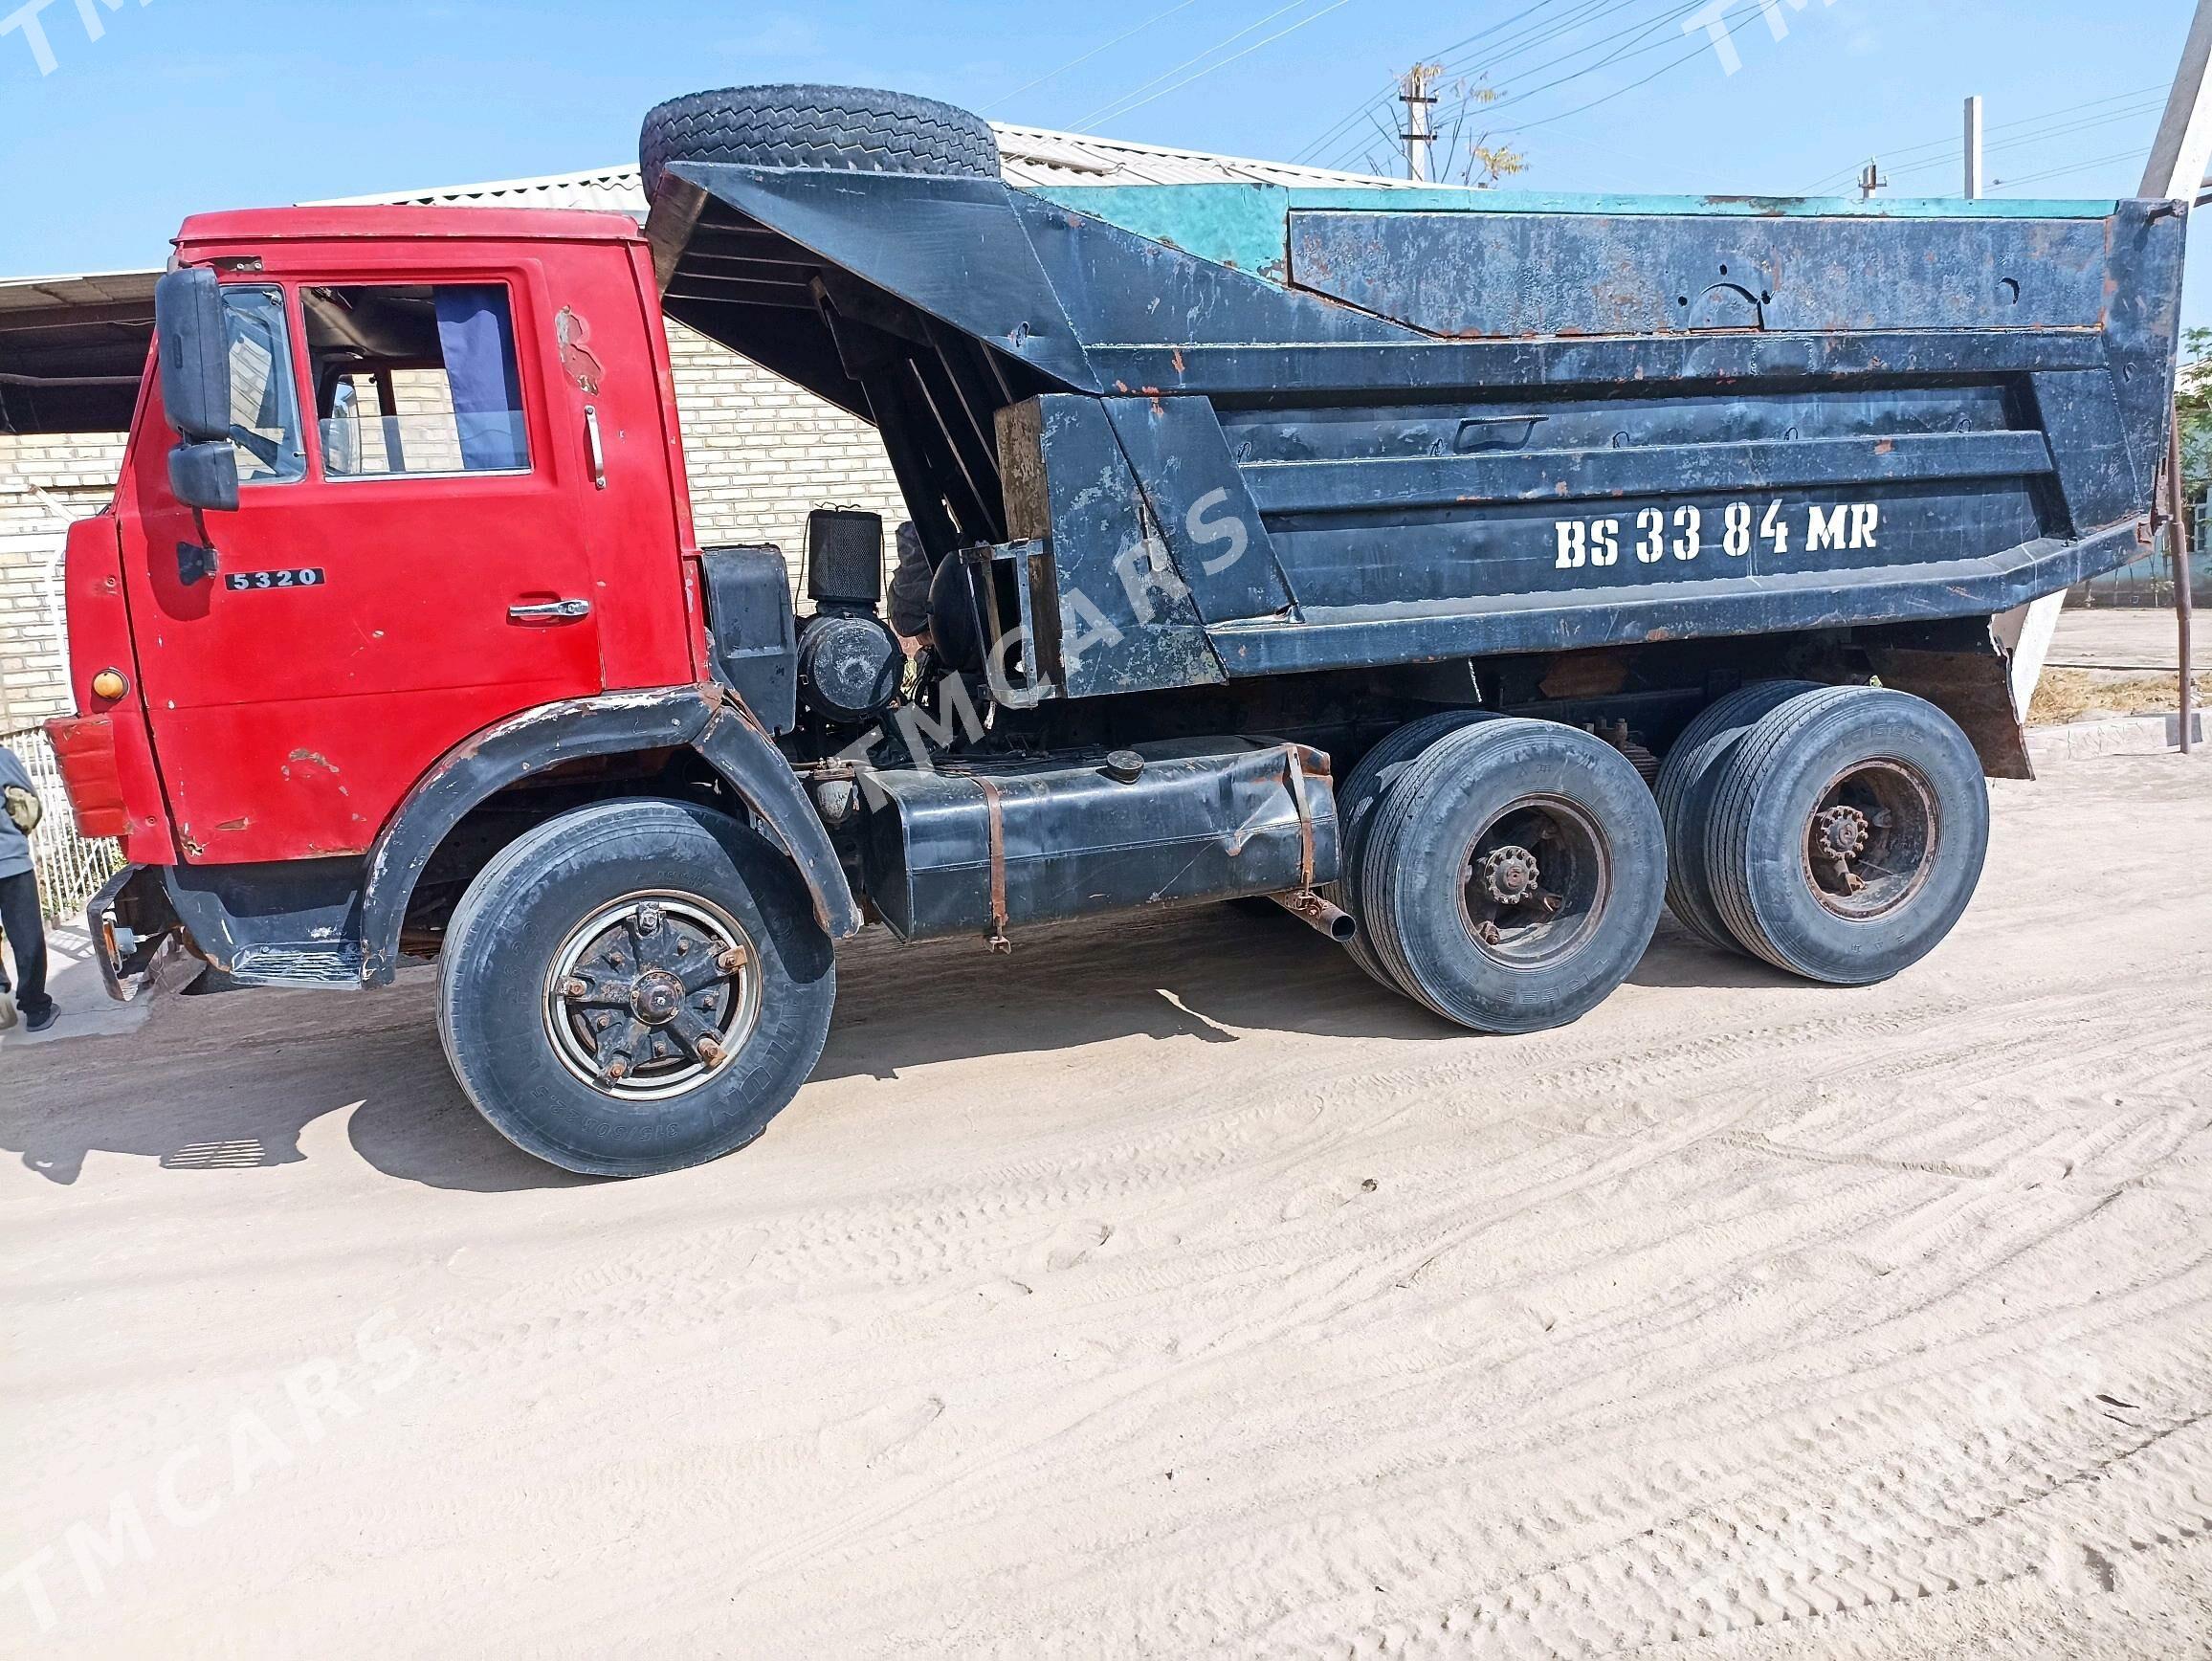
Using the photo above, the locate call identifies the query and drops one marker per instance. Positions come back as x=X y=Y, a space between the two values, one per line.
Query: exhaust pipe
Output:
x=1317 y=913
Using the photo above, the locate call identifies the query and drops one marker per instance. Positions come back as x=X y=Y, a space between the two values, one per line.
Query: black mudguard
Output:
x=703 y=717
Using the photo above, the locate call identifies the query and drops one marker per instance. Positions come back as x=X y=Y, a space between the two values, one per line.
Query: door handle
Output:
x=551 y=612
x=595 y=449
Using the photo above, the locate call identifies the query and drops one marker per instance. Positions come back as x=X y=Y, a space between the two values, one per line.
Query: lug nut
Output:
x=573 y=988
x=710 y=1050
x=733 y=960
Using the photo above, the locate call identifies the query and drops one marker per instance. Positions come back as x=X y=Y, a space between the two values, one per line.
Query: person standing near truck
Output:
x=20 y=922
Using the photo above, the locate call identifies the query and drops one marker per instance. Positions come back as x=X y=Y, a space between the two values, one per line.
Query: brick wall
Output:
x=46 y=480
x=762 y=455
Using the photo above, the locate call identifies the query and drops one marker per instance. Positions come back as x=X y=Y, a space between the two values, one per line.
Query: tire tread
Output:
x=812 y=126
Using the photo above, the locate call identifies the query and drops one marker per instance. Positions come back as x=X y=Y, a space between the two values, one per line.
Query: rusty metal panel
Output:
x=1510 y=275
x=1126 y=620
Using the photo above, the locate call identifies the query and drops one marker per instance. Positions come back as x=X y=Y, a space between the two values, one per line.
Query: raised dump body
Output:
x=1367 y=428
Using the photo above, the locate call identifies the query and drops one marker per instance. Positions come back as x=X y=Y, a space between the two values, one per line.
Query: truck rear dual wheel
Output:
x=1511 y=875
x=1685 y=792
x=1363 y=789
x=1837 y=834
x=635 y=987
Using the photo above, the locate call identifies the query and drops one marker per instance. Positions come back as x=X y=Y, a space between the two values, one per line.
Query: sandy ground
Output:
x=2125 y=638
x=1166 y=1288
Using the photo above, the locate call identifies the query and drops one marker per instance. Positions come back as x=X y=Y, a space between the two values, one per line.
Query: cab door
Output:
x=406 y=565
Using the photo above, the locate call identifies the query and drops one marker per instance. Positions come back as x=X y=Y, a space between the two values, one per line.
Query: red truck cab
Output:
x=461 y=494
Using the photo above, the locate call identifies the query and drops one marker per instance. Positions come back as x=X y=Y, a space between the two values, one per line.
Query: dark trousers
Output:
x=25 y=935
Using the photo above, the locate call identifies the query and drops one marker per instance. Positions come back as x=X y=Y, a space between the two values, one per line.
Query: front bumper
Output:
x=127 y=921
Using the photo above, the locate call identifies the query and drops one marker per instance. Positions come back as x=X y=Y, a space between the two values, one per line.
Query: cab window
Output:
x=415 y=380
x=264 y=403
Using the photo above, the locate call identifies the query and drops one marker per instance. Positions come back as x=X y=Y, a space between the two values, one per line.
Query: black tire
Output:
x=1684 y=790
x=1357 y=799
x=1604 y=858
x=847 y=129
x=1914 y=782
x=496 y=1011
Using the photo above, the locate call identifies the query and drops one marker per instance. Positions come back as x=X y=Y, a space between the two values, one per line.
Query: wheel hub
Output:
x=1842 y=831
x=1839 y=837
x=1508 y=875
x=651 y=996
x=1871 y=839
x=655 y=997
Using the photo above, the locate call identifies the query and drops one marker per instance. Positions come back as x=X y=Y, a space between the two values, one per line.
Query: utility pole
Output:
x=2176 y=171
x=1974 y=148
x=1870 y=180
x=1414 y=94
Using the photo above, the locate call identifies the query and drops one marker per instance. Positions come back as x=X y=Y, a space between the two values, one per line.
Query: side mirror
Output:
x=206 y=476
x=195 y=354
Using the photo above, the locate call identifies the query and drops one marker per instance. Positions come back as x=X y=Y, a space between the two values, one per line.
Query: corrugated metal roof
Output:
x=72 y=349
x=1041 y=156
x=19 y=295
x=1030 y=156
x=609 y=189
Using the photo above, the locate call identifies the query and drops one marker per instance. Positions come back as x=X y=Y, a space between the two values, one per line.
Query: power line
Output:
x=1086 y=57
x=1129 y=100
x=1498 y=57
x=1360 y=112
x=1633 y=33
x=2076 y=167
x=1505 y=60
x=1501 y=54
x=1256 y=46
x=2028 y=140
x=1950 y=146
x=1667 y=68
x=1635 y=30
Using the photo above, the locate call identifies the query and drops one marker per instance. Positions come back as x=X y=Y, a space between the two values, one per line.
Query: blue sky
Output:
x=189 y=105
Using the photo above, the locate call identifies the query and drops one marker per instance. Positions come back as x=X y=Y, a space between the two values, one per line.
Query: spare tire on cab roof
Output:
x=848 y=129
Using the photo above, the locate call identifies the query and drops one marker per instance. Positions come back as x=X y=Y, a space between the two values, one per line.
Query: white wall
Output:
x=46 y=480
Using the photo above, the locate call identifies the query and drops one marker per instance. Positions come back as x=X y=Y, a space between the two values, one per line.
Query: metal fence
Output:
x=2148 y=581
x=71 y=869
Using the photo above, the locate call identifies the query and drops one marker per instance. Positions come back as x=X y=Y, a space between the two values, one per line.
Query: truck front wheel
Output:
x=635 y=987
x=1512 y=874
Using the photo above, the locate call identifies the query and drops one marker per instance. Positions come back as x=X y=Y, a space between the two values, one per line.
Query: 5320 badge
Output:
x=302 y=577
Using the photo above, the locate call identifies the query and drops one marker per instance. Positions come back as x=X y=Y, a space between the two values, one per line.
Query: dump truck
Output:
x=1472 y=573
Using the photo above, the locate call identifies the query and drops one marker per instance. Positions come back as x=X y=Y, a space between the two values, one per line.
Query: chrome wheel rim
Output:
x=652 y=996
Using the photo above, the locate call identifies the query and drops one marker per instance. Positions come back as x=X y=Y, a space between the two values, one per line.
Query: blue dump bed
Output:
x=1196 y=433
